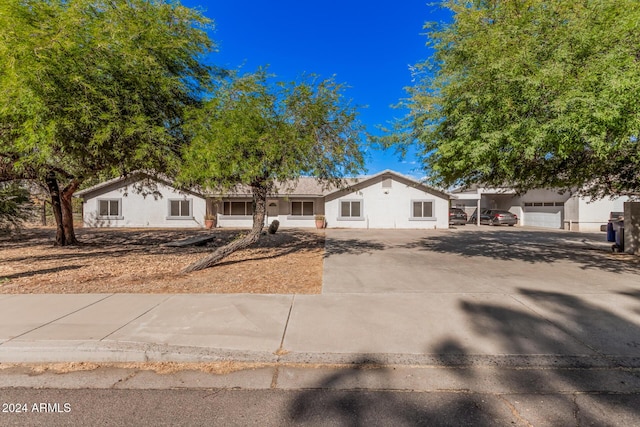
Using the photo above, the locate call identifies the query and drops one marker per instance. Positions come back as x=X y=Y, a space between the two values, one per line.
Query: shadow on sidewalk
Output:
x=591 y=386
x=569 y=362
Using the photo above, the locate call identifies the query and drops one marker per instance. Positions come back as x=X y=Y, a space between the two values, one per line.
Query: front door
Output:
x=272 y=208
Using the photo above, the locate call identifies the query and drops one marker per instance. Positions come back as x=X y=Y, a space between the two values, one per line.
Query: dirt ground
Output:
x=138 y=261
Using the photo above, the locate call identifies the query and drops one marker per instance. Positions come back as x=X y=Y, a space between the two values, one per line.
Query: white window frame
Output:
x=422 y=218
x=189 y=215
x=302 y=215
x=111 y=215
x=341 y=217
x=247 y=204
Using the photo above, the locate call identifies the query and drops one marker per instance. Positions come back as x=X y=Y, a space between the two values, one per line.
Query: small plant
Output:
x=319 y=217
x=209 y=221
x=274 y=226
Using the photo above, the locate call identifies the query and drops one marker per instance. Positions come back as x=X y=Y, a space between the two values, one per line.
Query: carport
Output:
x=472 y=201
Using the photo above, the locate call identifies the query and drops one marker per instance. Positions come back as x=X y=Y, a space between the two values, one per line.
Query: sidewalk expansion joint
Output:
x=286 y=325
x=281 y=351
x=59 y=318
x=136 y=318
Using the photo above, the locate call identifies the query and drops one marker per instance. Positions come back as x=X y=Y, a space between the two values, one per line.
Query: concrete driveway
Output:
x=483 y=291
x=472 y=259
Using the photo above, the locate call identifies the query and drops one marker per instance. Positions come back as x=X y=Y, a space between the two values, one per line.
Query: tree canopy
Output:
x=257 y=132
x=531 y=93
x=97 y=87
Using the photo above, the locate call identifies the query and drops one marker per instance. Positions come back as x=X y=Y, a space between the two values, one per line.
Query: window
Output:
x=180 y=208
x=422 y=209
x=301 y=208
x=109 y=208
x=238 y=208
x=538 y=204
x=351 y=209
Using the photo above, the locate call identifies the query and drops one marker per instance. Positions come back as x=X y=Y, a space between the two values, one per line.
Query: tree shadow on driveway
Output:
x=351 y=246
x=531 y=247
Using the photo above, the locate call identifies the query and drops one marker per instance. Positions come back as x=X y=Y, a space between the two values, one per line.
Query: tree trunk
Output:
x=43 y=214
x=67 y=212
x=62 y=210
x=259 y=210
x=56 y=207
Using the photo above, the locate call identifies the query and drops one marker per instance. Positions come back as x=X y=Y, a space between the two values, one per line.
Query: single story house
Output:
x=384 y=200
x=541 y=208
x=139 y=200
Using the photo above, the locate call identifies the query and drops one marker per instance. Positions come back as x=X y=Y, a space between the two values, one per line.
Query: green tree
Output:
x=96 y=87
x=256 y=133
x=531 y=93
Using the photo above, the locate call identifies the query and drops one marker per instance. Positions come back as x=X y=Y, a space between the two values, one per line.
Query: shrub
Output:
x=274 y=226
x=15 y=206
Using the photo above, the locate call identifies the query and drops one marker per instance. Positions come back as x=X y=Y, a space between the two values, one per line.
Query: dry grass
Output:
x=138 y=261
x=167 y=368
x=162 y=368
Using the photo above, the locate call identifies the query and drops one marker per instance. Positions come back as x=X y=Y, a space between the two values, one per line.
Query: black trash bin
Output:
x=619 y=237
x=611 y=233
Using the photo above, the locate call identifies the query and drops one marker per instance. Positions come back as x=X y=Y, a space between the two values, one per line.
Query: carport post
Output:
x=478 y=212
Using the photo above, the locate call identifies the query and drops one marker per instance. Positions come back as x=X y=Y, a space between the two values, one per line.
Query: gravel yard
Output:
x=138 y=261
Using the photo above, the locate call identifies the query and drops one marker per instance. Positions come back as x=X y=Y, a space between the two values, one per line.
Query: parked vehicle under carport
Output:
x=457 y=216
x=496 y=217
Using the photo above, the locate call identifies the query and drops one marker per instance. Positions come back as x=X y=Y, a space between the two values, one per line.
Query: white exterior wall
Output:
x=593 y=214
x=388 y=208
x=137 y=210
x=572 y=211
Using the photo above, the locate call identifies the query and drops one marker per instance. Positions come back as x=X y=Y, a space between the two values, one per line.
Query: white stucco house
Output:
x=139 y=200
x=541 y=208
x=384 y=200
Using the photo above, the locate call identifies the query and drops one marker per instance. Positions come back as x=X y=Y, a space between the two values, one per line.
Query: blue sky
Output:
x=368 y=45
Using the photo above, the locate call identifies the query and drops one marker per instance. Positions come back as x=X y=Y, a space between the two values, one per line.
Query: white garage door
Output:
x=543 y=216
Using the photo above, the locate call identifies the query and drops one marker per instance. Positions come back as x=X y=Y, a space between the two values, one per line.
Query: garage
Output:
x=547 y=214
